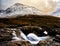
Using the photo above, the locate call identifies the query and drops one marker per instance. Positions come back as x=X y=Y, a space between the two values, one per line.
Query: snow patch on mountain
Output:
x=19 y=9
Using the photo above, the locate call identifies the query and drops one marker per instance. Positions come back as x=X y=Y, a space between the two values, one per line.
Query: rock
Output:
x=33 y=29
x=5 y=35
x=3 y=43
x=6 y=38
x=15 y=43
x=41 y=43
x=19 y=43
x=57 y=30
x=57 y=38
x=52 y=31
x=1 y=11
x=48 y=42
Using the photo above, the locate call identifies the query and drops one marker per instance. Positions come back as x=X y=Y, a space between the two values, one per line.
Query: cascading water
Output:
x=31 y=37
x=15 y=38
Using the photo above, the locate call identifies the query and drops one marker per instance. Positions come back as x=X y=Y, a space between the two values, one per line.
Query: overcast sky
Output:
x=43 y=5
x=6 y=3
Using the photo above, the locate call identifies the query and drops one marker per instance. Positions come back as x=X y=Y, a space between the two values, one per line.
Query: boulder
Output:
x=57 y=38
x=48 y=42
x=5 y=35
x=19 y=43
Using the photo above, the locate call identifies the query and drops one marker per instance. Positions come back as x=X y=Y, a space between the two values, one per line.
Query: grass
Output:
x=34 y=20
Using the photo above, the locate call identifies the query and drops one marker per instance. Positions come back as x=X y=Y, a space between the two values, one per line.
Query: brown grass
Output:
x=34 y=20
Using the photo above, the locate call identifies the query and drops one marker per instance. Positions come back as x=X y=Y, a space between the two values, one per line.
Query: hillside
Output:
x=18 y=9
x=34 y=20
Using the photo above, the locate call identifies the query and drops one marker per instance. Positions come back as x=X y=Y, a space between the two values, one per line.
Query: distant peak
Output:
x=17 y=4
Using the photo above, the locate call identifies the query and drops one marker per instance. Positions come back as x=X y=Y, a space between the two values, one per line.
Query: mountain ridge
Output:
x=19 y=9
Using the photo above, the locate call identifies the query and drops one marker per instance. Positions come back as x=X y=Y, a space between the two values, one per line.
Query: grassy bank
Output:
x=34 y=20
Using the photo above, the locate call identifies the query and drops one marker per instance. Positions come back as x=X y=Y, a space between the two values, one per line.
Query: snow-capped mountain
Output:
x=19 y=9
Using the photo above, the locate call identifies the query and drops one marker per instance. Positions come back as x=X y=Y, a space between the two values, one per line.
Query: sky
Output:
x=7 y=3
x=45 y=6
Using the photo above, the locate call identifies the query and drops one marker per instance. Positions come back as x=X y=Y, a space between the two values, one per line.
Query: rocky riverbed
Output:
x=6 y=37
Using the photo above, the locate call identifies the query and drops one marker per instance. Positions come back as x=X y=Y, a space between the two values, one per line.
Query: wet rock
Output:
x=15 y=43
x=3 y=43
x=57 y=38
x=19 y=43
x=57 y=30
x=33 y=29
x=42 y=43
x=5 y=35
x=48 y=42
x=54 y=31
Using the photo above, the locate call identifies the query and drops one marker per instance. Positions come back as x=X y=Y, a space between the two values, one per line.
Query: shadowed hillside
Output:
x=34 y=20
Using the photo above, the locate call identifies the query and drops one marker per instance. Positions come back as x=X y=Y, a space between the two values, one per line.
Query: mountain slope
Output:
x=34 y=20
x=20 y=9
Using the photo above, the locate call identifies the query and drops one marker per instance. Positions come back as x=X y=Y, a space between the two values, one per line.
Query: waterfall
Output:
x=34 y=39
x=23 y=35
x=31 y=37
x=15 y=38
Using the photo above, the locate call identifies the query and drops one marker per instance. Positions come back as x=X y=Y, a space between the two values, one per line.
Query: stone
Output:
x=19 y=43
x=5 y=35
x=57 y=38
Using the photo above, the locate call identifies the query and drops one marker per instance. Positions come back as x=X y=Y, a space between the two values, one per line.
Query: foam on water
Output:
x=15 y=38
x=31 y=37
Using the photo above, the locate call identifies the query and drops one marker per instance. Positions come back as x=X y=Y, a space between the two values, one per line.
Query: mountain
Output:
x=19 y=9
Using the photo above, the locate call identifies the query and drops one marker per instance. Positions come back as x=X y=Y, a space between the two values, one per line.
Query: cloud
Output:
x=42 y=5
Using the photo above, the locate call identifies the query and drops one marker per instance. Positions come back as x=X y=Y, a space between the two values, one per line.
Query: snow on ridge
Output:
x=19 y=9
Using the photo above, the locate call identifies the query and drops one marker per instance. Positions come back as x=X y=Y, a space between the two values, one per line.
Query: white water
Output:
x=45 y=32
x=15 y=38
x=32 y=38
